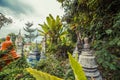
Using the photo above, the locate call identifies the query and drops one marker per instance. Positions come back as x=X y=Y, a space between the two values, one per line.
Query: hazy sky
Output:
x=22 y=11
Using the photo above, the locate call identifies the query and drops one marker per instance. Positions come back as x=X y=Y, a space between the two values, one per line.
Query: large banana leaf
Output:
x=45 y=28
x=51 y=16
x=48 y=20
x=77 y=69
x=42 y=33
x=41 y=75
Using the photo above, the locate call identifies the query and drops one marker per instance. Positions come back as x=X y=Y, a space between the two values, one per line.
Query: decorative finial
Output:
x=86 y=44
x=19 y=31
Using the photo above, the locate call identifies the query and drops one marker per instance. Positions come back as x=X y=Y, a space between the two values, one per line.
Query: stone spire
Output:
x=19 y=32
x=43 y=49
x=18 y=42
x=87 y=60
x=79 y=45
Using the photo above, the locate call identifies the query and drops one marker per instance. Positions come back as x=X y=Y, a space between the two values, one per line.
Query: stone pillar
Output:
x=43 y=51
x=87 y=60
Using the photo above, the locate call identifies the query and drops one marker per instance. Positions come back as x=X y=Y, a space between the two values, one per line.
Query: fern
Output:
x=77 y=69
x=41 y=75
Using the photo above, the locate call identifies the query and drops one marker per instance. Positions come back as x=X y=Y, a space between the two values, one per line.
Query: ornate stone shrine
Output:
x=34 y=56
x=18 y=43
x=87 y=60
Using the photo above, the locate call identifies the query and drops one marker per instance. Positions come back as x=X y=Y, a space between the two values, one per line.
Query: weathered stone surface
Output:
x=87 y=60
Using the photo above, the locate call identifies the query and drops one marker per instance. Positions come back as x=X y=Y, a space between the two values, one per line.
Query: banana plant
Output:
x=52 y=28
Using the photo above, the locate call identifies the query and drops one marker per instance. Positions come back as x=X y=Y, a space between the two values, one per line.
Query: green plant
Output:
x=52 y=66
x=77 y=69
x=52 y=29
x=69 y=74
x=16 y=70
x=42 y=75
x=30 y=36
x=99 y=20
x=4 y=20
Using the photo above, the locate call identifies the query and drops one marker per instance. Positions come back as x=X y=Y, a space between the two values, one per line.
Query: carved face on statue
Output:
x=8 y=38
x=6 y=44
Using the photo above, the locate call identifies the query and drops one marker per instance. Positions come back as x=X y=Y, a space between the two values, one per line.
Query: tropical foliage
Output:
x=53 y=66
x=16 y=70
x=77 y=69
x=98 y=20
x=56 y=36
x=53 y=29
x=42 y=75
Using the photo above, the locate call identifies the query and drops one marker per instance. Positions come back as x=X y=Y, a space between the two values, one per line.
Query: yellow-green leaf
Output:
x=77 y=69
x=39 y=75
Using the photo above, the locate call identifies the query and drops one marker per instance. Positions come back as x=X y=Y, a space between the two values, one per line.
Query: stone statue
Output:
x=5 y=45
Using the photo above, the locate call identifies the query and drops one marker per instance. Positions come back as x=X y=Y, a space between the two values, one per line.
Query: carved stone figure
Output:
x=8 y=57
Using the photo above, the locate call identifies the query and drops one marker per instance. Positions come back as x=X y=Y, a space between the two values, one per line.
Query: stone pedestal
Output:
x=87 y=60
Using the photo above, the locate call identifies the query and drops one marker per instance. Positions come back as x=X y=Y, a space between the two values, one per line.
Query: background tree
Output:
x=4 y=20
x=31 y=36
x=99 y=20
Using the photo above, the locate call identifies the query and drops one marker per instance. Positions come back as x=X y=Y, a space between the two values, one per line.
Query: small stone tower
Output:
x=87 y=60
x=43 y=49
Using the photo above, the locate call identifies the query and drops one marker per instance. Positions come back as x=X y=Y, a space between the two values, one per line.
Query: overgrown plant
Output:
x=77 y=69
x=41 y=75
x=16 y=70
x=53 y=66
x=99 y=20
